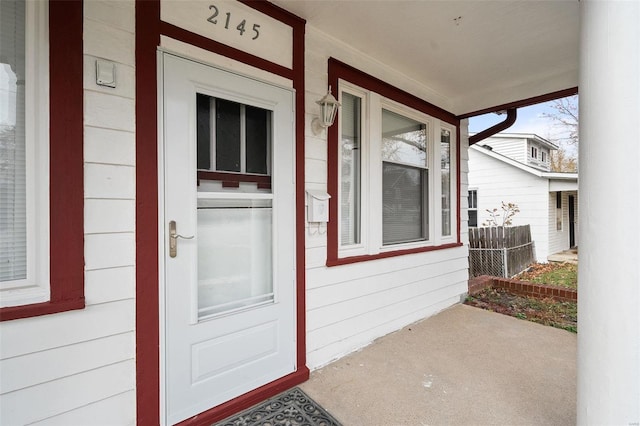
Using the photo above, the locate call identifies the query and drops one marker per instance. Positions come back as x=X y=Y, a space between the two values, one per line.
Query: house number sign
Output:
x=234 y=24
x=228 y=21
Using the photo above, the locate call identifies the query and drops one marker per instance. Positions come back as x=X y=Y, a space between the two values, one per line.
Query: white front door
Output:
x=227 y=164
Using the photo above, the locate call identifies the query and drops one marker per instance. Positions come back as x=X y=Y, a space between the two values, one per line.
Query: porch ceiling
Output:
x=472 y=54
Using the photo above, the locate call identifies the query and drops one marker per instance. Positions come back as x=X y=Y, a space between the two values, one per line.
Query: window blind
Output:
x=13 y=190
x=404 y=179
x=403 y=216
x=445 y=180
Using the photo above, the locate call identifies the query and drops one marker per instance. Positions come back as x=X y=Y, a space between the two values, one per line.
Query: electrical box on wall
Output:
x=105 y=73
x=317 y=206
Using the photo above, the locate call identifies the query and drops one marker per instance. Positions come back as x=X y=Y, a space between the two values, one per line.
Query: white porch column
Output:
x=609 y=214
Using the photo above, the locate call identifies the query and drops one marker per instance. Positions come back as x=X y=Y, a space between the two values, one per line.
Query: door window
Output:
x=233 y=137
x=234 y=254
x=234 y=231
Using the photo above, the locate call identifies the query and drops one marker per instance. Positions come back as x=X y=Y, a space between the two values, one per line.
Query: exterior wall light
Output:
x=328 y=111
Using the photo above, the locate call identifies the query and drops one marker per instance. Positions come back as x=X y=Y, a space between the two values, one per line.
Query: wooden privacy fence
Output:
x=500 y=251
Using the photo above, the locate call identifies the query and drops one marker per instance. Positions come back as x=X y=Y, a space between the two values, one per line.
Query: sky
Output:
x=530 y=120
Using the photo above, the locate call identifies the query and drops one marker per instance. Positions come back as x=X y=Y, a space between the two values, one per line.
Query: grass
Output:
x=555 y=274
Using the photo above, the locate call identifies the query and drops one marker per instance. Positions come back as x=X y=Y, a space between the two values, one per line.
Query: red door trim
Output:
x=149 y=27
x=147 y=273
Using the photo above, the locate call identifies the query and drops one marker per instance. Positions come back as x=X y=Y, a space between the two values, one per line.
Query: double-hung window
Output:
x=41 y=173
x=405 y=179
x=395 y=174
x=23 y=160
x=473 y=208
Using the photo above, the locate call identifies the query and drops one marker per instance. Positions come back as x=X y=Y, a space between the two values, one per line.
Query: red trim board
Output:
x=524 y=103
x=147 y=274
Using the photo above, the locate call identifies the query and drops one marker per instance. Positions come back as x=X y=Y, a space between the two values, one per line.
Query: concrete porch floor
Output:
x=463 y=366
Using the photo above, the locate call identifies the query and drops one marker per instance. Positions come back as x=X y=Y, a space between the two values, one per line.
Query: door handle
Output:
x=173 y=239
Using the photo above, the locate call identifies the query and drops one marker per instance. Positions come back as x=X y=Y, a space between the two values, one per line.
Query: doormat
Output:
x=290 y=408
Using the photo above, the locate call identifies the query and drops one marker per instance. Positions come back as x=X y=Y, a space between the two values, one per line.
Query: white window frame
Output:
x=474 y=208
x=371 y=175
x=36 y=287
x=453 y=174
x=376 y=146
x=362 y=247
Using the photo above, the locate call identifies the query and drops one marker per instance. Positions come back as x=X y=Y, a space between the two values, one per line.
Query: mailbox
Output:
x=317 y=206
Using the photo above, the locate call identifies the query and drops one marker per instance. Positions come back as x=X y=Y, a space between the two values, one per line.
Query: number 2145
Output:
x=241 y=27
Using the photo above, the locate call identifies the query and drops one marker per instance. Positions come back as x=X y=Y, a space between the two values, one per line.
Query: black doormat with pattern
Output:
x=290 y=408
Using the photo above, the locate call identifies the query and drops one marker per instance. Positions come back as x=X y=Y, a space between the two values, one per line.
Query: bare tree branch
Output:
x=566 y=118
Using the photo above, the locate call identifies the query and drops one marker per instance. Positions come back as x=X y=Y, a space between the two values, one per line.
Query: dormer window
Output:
x=534 y=153
x=543 y=156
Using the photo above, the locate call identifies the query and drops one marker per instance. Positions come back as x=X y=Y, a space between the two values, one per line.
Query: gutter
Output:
x=512 y=114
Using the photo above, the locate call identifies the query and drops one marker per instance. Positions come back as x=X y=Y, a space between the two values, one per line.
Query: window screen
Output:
x=227 y=133
x=258 y=132
x=232 y=137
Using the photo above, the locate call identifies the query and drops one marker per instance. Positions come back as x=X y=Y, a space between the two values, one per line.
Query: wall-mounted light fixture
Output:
x=328 y=111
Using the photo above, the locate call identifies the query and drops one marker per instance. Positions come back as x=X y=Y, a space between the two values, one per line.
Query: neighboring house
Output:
x=159 y=263
x=515 y=168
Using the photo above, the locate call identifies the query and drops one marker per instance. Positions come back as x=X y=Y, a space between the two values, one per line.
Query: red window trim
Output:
x=66 y=191
x=340 y=71
x=386 y=254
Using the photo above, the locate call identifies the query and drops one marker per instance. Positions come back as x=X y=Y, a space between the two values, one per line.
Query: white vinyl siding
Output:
x=509 y=147
x=498 y=181
x=78 y=367
x=349 y=306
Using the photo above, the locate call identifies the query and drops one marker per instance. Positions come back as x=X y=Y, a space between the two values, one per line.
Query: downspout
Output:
x=512 y=114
